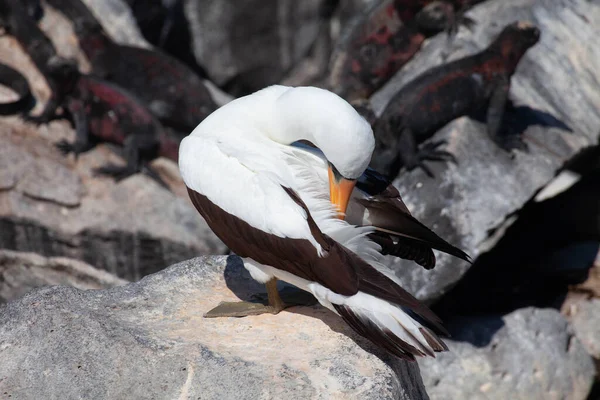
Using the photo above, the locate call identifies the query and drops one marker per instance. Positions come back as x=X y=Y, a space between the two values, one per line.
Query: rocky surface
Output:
x=557 y=79
x=582 y=309
x=255 y=41
x=584 y=316
x=528 y=354
x=149 y=337
x=22 y=272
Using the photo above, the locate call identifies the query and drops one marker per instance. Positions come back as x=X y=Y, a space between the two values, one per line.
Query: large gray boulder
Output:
x=23 y=272
x=257 y=41
x=529 y=354
x=149 y=340
x=558 y=77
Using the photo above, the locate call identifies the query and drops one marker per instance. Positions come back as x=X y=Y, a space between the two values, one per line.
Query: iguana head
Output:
x=514 y=41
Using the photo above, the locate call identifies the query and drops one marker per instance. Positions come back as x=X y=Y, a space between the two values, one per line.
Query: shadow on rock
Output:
x=517 y=119
x=478 y=331
x=551 y=245
x=239 y=281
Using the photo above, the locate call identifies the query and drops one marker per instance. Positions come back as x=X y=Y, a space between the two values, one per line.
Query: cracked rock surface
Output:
x=149 y=337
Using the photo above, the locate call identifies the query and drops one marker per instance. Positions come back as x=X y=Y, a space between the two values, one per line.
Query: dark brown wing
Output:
x=414 y=239
x=336 y=271
x=397 y=231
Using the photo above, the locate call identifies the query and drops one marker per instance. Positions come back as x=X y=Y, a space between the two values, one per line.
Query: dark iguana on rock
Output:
x=169 y=88
x=101 y=111
x=444 y=93
x=379 y=43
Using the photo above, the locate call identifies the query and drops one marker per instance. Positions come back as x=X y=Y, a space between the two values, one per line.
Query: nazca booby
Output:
x=282 y=207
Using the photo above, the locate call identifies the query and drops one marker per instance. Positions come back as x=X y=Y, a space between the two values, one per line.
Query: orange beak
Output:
x=339 y=192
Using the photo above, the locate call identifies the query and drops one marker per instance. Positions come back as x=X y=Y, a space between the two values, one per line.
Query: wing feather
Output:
x=397 y=231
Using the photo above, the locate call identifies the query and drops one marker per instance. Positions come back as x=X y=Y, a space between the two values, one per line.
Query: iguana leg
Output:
x=245 y=308
x=132 y=156
x=458 y=19
x=412 y=157
x=152 y=174
x=82 y=138
x=452 y=28
x=495 y=114
x=385 y=158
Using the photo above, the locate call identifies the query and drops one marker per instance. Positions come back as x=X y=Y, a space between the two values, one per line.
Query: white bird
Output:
x=281 y=206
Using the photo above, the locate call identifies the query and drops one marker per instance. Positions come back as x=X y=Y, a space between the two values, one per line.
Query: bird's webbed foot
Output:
x=272 y=302
x=430 y=152
x=241 y=309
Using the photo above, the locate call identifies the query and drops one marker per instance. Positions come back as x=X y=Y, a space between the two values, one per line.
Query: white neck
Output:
x=329 y=122
x=285 y=115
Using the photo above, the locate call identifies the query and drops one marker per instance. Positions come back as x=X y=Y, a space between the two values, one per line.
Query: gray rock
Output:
x=585 y=319
x=528 y=354
x=582 y=309
x=22 y=272
x=8 y=177
x=118 y=21
x=257 y=37
x=51 y=182
x=148 y=340
x=558 y=76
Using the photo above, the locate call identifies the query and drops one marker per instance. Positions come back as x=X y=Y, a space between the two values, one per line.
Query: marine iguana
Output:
x=19 y=21
x=14 y=80
x=101 y=111
x=171 y=90
x=447 y=92
x=379 y=43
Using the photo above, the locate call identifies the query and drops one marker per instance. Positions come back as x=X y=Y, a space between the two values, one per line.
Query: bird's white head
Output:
x=333 y=125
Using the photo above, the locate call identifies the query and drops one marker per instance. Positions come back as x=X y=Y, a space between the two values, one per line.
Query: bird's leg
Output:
x=245 y=308
x=275 y=302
